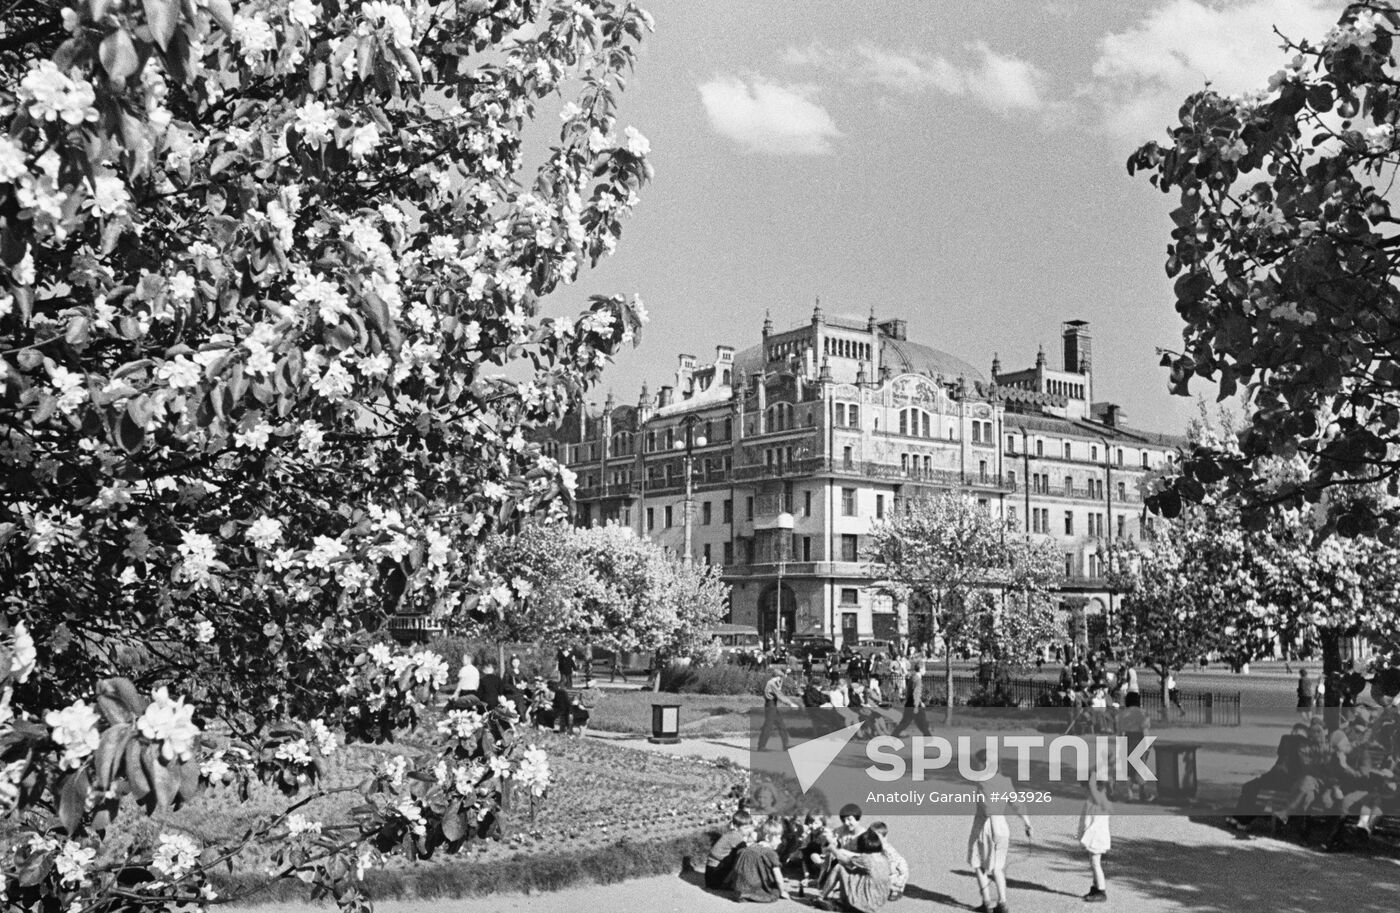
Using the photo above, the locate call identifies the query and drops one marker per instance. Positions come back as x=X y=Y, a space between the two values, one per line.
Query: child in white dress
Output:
x=1094 y=835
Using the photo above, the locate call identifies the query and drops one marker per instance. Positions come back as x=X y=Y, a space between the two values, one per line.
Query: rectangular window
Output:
x=1069 y=485
x=853 y=416
x=651 y=519
x=729 y=553
x=705 y=514
x=806 y=504
x=705 y=552
x=806 y=548
x=904 y=421
x=850 y=595
x=1094 y=453
x=850 y=548
x=982 y=470
x=848 y=457
x=840 y=414
x=1144 y=460
x=848 y=502
x=879 y=507
x=1069 y=523
x=748 y=508
x=1011 y=443
x=1011 y=480
x=1040 y=448
x=669 y=518
x=1011 y=517
x=976 y=432
x=728 y=513
x=928 y=427
x=1069 y=564
x=1067 y=451
x=1119 y=459
x=1122 y=526
x=1122 y=492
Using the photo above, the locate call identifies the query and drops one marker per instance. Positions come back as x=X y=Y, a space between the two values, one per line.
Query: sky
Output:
x=961 y=165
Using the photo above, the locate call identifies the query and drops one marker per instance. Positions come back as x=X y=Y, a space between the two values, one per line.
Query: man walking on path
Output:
x=772 y=696
x=914 y=703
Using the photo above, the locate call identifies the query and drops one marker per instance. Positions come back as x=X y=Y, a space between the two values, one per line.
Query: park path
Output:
x=1158 y=865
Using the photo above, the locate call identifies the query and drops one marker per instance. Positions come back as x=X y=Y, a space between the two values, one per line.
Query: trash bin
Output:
x=665 y=724
x=1176 y=770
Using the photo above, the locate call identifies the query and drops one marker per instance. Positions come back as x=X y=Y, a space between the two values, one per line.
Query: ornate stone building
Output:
x=822 y=430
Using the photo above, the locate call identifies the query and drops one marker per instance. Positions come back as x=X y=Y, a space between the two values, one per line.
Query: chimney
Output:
x=1078 y=347
x=664 y=398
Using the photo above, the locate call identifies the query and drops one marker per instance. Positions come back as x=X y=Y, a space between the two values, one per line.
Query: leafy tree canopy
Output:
x=1285 y=257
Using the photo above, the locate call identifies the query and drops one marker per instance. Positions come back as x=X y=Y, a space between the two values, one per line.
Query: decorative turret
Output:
x=870 y=325
x=767 y=324
x=825 y=376
x=818 y=318
x=1040 y=357
x=996 y=365
x=861 y=377
x=645 y=405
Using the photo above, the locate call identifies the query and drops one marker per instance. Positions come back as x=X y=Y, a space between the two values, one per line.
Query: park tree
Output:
x=985 y=584
x=1285 y=257
x=272 y=336
x=601 y=585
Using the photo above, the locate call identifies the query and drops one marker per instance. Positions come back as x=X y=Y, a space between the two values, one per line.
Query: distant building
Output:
x=820 y=431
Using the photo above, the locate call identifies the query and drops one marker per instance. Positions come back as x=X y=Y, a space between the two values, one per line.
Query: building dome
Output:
x=904 y=357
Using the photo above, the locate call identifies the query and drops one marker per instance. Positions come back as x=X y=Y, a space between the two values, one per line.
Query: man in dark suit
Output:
x=491 y=688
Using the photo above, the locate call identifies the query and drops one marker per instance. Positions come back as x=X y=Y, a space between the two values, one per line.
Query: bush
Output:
x=722 y=679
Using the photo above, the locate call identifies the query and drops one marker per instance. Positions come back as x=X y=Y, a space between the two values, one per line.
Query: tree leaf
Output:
x=118 y=56
x=162 y=16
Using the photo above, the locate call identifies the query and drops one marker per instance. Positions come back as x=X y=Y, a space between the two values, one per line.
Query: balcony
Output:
x=810 y=466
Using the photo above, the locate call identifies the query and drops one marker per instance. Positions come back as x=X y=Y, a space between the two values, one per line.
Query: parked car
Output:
x=735 y=639
x=816 y=647
x=871 y=647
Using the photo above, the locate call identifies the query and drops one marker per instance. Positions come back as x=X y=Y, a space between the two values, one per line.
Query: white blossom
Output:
x=74 y=729
x=170 y=722
x=175 y=856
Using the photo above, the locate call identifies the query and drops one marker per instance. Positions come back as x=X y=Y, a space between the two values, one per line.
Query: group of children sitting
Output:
x=850 y=866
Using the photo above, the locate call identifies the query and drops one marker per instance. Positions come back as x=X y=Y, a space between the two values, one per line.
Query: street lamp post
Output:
x=688 y=443
x=784 y=526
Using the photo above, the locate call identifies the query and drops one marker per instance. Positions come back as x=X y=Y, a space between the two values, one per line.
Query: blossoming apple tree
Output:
x=986 y=585
x=262 y=267
x=600 y=585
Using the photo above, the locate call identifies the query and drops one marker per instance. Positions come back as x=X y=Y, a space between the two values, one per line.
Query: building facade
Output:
x=798 y=445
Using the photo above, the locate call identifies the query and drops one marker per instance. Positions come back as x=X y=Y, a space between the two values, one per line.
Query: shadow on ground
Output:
x=1255 y=875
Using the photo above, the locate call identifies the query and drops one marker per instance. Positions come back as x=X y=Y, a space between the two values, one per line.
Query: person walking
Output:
x=772 y=697
x=564 y=659
x=1307 y=694
x=914 y=703
x=990 y=839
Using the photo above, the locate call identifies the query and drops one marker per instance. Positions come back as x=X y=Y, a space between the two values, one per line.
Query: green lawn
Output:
x=701 y=714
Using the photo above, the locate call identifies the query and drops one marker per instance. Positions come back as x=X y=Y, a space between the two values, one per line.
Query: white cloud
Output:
x=997 y=81
x=768 y=118
x=1143 y=74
